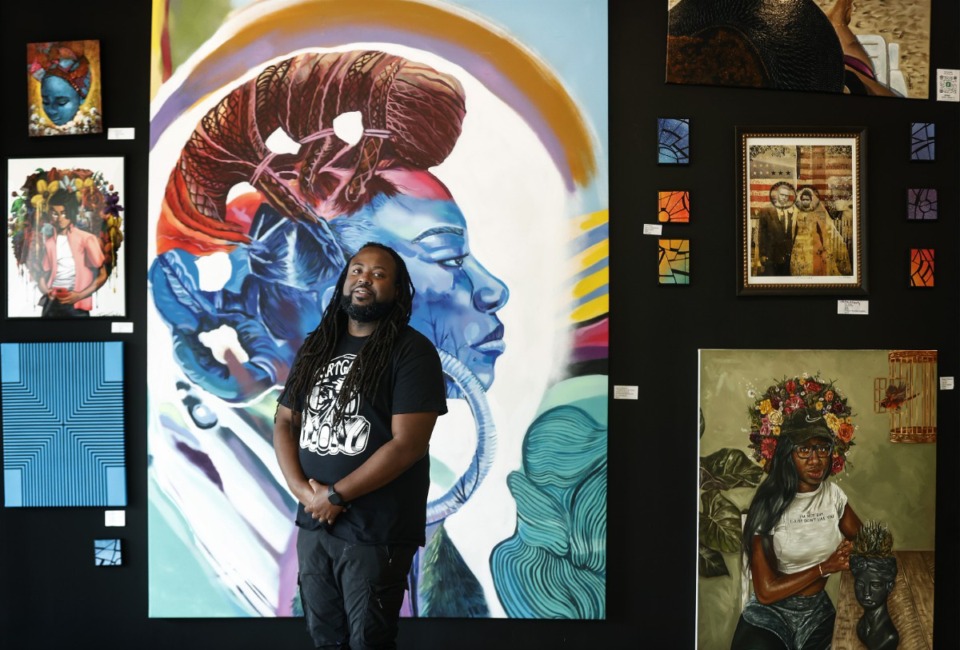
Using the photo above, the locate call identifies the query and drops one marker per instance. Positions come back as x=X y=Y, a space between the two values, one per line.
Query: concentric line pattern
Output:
x=63 y=422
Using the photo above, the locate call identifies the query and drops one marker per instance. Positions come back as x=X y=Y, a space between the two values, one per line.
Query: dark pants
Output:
x=351 y=593
x=56 y=309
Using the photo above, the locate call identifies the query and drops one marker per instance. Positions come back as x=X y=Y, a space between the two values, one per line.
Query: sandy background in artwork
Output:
x=906 y=22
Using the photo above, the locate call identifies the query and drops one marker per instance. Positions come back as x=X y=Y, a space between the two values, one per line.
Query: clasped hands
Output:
x=318 y=506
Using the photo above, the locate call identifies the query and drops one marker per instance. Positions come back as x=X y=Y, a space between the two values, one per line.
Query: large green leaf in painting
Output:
x=719 y=522
x=728 y=468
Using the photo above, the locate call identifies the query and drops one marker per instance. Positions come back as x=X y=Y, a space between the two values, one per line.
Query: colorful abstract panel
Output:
x=674 y=207
x=746 y=398
x=63 y=88
x=674 y=258
x=63 y=424
x=922 y=204
x=921 y=267
x=77 y=201
x=922 y=141
x=107 y=552
x=443 y=88
x=673 y=141
x=868 y=47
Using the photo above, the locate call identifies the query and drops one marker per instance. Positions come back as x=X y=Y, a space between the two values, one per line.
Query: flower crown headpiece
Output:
x=771 y=409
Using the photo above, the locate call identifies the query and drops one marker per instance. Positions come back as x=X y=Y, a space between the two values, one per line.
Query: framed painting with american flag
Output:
x=801 y=210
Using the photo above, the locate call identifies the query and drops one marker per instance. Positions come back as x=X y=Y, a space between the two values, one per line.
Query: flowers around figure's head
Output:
x=775 y=405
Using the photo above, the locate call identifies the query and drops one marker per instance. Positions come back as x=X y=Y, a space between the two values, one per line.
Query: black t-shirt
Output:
x=412 y=383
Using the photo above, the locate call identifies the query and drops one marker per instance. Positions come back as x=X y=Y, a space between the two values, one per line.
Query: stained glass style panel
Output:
x=922 y=204
x=922 y=140
x=673 y=141
x=674 y=207
x=921 y=267
x=107 y=552
x=674 y=261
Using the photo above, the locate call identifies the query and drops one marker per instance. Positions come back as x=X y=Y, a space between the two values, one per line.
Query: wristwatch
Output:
x=334 y=497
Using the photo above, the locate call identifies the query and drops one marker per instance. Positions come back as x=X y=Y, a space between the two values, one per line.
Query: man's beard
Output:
x=373 y=312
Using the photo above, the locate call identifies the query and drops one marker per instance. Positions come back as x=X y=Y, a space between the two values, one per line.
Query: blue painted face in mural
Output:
x=60 y=100
x=457 y=299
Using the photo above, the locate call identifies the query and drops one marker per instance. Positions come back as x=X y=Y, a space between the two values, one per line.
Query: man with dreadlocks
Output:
x=351 y=434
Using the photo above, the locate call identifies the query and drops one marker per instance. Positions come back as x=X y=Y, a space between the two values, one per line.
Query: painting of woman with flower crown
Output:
x=63 y=88
x=750 y=402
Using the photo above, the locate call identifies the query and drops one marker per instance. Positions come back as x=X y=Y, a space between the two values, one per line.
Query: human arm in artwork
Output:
x=849 y=522
x=410 y=442
x=72 y=297
x=770 y=585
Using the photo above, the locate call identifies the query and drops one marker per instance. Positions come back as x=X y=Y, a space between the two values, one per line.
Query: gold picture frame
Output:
x=802 y=216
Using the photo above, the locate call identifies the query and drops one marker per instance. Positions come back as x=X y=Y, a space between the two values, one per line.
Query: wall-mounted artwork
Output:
x=65 y=234
x=107 y=552
x=456 y=132
x=673 y=256
x=922 y=204
x=674 y=207
x=921 y=267
x=801 y=215
x=63 y=424
x=923 y=140
x=63 y=88
x=813 y=421
x=868 y=47
x=673 y=141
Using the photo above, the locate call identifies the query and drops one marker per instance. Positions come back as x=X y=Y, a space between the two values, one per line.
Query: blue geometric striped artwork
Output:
x=63 y=424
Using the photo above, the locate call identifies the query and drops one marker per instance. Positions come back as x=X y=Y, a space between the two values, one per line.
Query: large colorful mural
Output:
x=472 y=137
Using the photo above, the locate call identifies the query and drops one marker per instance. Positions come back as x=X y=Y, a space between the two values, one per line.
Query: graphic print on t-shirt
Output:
x=317 y=433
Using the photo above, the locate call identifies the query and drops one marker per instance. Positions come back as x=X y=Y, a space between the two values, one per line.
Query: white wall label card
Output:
x=948 y=85
x=859 y=307
x=626 y=392
x=946 y=383
x=652 y=229
x=115 y=518
x=121 y=328
x=121 y=133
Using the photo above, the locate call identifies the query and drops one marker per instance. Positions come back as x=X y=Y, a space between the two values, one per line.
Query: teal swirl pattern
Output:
x=554 y=566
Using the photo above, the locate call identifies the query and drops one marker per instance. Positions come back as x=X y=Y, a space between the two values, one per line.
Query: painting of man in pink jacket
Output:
x=73 y=263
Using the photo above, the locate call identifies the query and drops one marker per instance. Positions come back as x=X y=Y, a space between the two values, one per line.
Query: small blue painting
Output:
x=922 y=141
x=673 y=141
x=107 y=552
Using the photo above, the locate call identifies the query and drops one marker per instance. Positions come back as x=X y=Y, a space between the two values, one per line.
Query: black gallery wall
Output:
x=51 y=594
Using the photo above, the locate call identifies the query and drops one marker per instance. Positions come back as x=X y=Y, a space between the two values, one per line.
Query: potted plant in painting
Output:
x=874 y=569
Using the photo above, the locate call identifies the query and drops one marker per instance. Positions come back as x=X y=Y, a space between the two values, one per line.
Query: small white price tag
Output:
x=121 y=133
x=856 y=307
x=652 y=229
x=626 y=392
x=946 y=383
x=115 y=518
x=948 y=85
x=121 y=328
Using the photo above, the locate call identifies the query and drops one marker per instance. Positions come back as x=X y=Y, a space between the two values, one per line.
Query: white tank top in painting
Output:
x=809 y=529
x=66 y=268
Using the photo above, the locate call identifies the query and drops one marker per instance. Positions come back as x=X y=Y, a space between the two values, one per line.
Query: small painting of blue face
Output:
x=60 y=100
x=457 y=298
